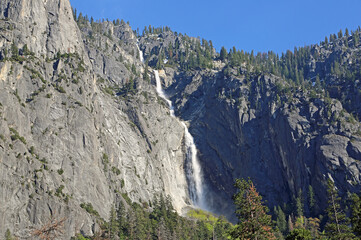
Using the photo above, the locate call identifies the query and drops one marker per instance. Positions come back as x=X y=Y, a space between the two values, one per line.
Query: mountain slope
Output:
x=286 y=122
x=77 y=126
x=83 y=129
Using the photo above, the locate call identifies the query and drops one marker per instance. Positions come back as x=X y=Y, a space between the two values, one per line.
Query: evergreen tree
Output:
x=313 y=225
x=146 y=73
x=221 y=227
x=299 y=234
x=337 y=224
x=299 y=204
x=290 y=224
x=14 y=50
x=281 y=222
x=311 y=200
x=339 y=35
x=356 y=39
x=113 y=224
x=254 y=222
x=356 y=214
x=223 y=54
x=121 y=221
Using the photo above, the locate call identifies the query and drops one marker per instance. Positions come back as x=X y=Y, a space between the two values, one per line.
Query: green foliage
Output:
x=299 y=204
x=356 y=214
x=115 y=170
x=281 y=222
x=60 y=171
x=146 y=73
x=60 y=89
x=337 y=224
x=223 y=54
x=311 y=199
x=299 y=234
x=105 y=161
x=59 y=191
x=89 y=208
x=254 y=222
x=162 y=222
x=79 y=237
x=128 y=89
x=15 y=136
x=14 y=49
x=8 y=235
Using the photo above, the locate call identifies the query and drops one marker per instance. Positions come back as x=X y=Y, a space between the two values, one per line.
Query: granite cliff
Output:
x=69 y=135
x=81 y=122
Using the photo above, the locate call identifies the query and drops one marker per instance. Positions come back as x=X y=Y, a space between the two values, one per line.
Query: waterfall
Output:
x=193 y=168
x=162 y=94
x=141 y=57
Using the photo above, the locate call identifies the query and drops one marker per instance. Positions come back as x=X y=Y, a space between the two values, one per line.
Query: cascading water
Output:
x=141 y=57
x=193 y=168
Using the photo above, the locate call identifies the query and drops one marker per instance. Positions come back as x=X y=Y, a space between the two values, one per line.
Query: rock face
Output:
x=82 y=128
x=71 y=132
x=46 y=26
x=248 y=125
x=243 y=131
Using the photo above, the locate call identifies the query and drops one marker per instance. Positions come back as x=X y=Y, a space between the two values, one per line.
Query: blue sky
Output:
x=258 y=25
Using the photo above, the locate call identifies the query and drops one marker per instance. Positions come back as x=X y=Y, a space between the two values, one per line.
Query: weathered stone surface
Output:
x=67 y=138
x=45 y=26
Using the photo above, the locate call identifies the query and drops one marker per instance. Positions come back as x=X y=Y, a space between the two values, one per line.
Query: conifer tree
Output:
x=311 y=199
x=223 y=54
x=356 y=214
x=299 y=204
x=337 y=224
x=299 y=233
x=254 y=222
x=339 y=35
x=281 y=222
x=121 y=220
x=113 y=225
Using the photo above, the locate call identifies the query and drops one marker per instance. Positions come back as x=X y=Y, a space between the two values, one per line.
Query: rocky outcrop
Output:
x=284 y=144
x=71 y=134
x=47 y=27
x=82 y=128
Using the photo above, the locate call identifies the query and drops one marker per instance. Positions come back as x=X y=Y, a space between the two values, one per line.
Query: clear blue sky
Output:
x=260 y=25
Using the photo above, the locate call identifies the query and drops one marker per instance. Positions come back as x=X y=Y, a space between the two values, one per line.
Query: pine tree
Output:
x=223 y=54
x=254 y=222
x=326 y=41
x=290 y=223
x=146 y=73
x=299 y=204
x=355 y=38
x=339 y=35
x=281 y=222
x=311 y=200
x=121 y=220
x=356 y=214
x=313 y=225
x=299 y=233
x=113 y=225
x=337 y=224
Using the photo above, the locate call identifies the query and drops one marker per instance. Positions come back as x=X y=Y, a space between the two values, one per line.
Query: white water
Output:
x=141 y=57
x=193 y=168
